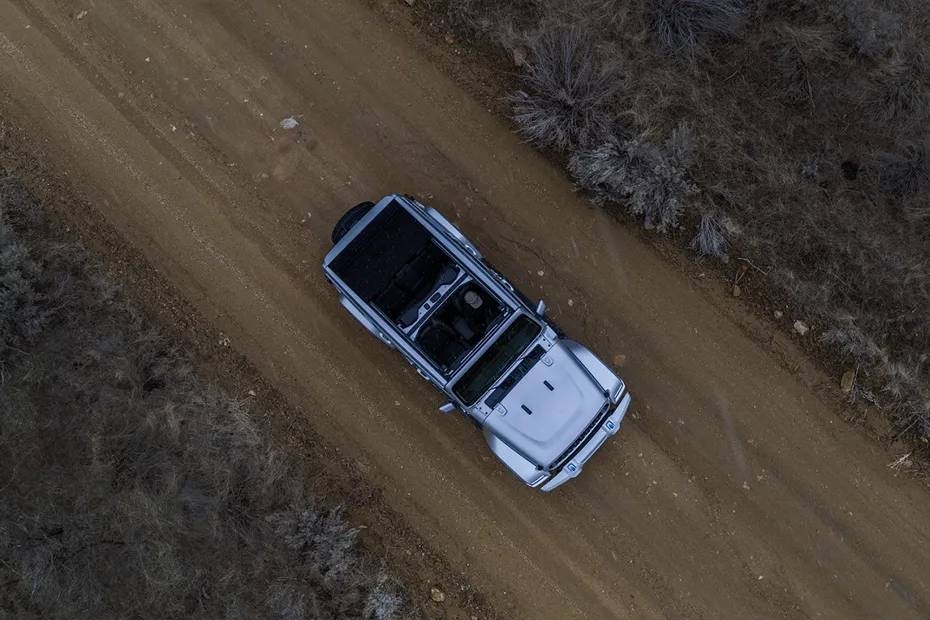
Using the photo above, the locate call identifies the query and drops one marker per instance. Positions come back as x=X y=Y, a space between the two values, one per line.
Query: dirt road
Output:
x=731 y=492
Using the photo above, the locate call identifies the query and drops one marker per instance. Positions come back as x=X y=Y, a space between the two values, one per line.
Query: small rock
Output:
x=449 y=38
x=540 y=273
x=519 y=56
x=801 y=327
x=619 y=360
x=81 y=15
x=410 y=2
x=289 y=123
x=437 y=595
x=737 y=291
x=846 y=383
x=779 y=314
x=571 y=303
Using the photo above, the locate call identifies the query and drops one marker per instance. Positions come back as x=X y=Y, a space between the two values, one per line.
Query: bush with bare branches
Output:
x=687 y=26
x=570 y=92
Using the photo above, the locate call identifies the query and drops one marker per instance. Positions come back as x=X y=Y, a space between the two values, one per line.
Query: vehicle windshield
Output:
x=480 y=377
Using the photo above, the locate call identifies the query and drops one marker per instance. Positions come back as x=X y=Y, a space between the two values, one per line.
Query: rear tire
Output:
x=350 y=219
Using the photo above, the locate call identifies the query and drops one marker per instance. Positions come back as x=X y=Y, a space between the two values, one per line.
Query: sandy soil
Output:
x=732 y=490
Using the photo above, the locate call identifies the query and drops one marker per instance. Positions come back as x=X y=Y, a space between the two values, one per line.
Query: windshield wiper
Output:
x=500 y=391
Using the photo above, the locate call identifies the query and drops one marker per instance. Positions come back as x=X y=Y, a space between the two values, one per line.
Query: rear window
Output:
x=479 y=378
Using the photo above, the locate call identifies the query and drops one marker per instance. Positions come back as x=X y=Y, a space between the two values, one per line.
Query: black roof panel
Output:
x=371 y=260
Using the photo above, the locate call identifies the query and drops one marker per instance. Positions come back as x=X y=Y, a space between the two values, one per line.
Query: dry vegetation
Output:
x=794 y=132
x=128 y=487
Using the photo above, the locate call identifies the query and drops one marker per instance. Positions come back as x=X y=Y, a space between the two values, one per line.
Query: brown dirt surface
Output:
x=733 y=490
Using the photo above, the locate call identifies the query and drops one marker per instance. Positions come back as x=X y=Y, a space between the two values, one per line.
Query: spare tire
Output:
x=350 y=219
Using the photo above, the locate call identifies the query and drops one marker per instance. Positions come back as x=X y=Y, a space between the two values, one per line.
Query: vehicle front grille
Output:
x=583 y=437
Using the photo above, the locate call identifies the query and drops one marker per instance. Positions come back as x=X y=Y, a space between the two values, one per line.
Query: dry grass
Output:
x=807 y=148
x=128 y=487
x=570 y=93
x=687 y=26
x=650 y=181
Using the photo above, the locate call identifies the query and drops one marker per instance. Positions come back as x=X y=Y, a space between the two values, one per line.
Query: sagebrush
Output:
x=570 y=92
x=129 y=488
x=686 y=26
x=794 y=132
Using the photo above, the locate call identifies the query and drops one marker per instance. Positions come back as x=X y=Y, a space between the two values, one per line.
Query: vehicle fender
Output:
x=450 y=228
x=515 y=462
x=607 y=379
x=367 y=323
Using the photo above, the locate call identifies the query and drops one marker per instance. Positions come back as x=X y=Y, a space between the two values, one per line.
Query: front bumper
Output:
x=608 y=428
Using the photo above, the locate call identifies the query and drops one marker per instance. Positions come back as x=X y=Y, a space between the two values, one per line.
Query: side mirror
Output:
x=541 y=308
x=447 y=407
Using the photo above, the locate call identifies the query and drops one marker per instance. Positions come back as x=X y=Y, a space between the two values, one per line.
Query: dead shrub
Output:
x=570 y=93
x=637 y=175
x=688 y=26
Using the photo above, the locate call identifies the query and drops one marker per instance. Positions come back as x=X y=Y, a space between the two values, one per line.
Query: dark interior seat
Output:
x=412 y=284
x=447 y=275
x=391 y=300
x=411 y=276
x=441 y=344
x=463 y=328
x=472 y=323
x=411 y=311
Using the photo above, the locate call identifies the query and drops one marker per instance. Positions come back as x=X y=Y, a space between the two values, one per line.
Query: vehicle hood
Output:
x=550 y=407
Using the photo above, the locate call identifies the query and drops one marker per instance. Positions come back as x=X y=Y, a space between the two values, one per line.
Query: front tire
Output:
x=350 y=219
